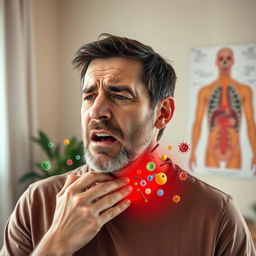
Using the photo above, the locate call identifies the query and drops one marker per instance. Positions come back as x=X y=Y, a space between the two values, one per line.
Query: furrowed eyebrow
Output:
x=110 y=88
x=120 y=89
x=89 y=89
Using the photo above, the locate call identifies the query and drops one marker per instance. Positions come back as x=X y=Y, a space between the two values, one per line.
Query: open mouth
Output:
x=103 y=137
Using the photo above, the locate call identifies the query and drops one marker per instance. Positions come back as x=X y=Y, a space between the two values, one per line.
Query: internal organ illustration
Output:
x=224 y=117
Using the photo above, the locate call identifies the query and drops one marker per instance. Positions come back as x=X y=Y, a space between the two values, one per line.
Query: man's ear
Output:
x=165 y=112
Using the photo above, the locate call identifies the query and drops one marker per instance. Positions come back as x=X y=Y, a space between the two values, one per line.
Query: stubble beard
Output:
x=111 y=165
x=124 y=156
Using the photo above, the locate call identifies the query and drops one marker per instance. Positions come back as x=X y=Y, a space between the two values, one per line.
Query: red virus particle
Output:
x=183 y=147
x=69 y=162
x=183 y=175
x=139 y=171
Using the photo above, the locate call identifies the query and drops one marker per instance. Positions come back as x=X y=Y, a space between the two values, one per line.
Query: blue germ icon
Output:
x=150 y=177
x=160 y=192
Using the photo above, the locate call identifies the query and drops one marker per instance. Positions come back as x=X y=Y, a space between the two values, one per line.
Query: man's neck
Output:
x=138 y=162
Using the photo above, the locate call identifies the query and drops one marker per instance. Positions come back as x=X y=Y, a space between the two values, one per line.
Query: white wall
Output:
x=47 y=61
x=171 y=27
x=6 y=206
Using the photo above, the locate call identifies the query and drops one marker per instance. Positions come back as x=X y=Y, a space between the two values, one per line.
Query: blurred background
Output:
x=40 y=90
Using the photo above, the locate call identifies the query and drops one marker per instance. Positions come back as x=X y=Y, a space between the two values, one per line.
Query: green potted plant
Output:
x=58 y=160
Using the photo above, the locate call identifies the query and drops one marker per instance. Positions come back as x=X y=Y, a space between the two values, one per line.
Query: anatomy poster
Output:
x=222 y=114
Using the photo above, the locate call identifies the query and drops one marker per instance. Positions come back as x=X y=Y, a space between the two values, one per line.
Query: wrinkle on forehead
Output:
x=111 y=74
x=116 y=69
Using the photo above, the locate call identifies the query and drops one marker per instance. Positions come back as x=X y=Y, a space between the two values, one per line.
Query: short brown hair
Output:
x=158 y=74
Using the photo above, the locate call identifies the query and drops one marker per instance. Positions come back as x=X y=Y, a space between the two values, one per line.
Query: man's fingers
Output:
x=102 y=189
x=111 y=199
x=69 y=180
x=88 y=179
x=111 y=213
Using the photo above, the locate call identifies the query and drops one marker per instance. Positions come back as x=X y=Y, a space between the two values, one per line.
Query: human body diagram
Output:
x=224 y=101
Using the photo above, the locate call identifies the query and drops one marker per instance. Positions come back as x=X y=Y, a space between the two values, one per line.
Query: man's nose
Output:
x=100 y=109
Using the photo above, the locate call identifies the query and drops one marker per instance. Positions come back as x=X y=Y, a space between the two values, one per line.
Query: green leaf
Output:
x=56 y=156
x=44 y=142
x=70 y=148
x=43 y=136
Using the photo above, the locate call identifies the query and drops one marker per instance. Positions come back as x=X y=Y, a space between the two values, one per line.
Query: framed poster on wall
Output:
x=222 y=114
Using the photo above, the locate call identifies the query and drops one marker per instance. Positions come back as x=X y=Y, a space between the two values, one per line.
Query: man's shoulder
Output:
x=212 y=208
x=202 y=185
x=203 y=193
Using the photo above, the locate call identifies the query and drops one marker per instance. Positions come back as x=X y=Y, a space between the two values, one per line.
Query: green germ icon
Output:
x=46 y=165
x=50 y=144
x=151 y=166
x=78 y=157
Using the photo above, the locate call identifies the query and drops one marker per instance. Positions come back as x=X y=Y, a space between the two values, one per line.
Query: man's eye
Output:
x=89 y=97
x=121 y=97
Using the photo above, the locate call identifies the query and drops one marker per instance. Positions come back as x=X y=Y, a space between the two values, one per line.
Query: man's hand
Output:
x=83 y=206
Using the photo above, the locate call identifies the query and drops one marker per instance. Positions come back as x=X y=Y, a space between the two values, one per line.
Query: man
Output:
x=126 y=201
x=225 y=100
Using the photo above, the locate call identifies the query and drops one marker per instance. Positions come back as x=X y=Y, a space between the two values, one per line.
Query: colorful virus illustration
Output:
x=183 y=147
x=66 y=141
x=160 y=192
x=183 y=175
x=150 y=177
x=161 y=178
x=136 y=177
x=143 y=183
x=46 y=165
x=154 y=148
x=147 y=191
x=142 y=195
x=176 y=198
x=69 y=162
x=151 y=166
x=78 y=157
x=164 y=157
x=169 y=147
x=50 y=145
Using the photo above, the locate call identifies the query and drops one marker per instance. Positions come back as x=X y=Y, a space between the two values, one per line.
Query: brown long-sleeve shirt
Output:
x=190 y=218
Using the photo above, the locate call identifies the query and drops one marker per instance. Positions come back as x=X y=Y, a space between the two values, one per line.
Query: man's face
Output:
x=117 y=119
